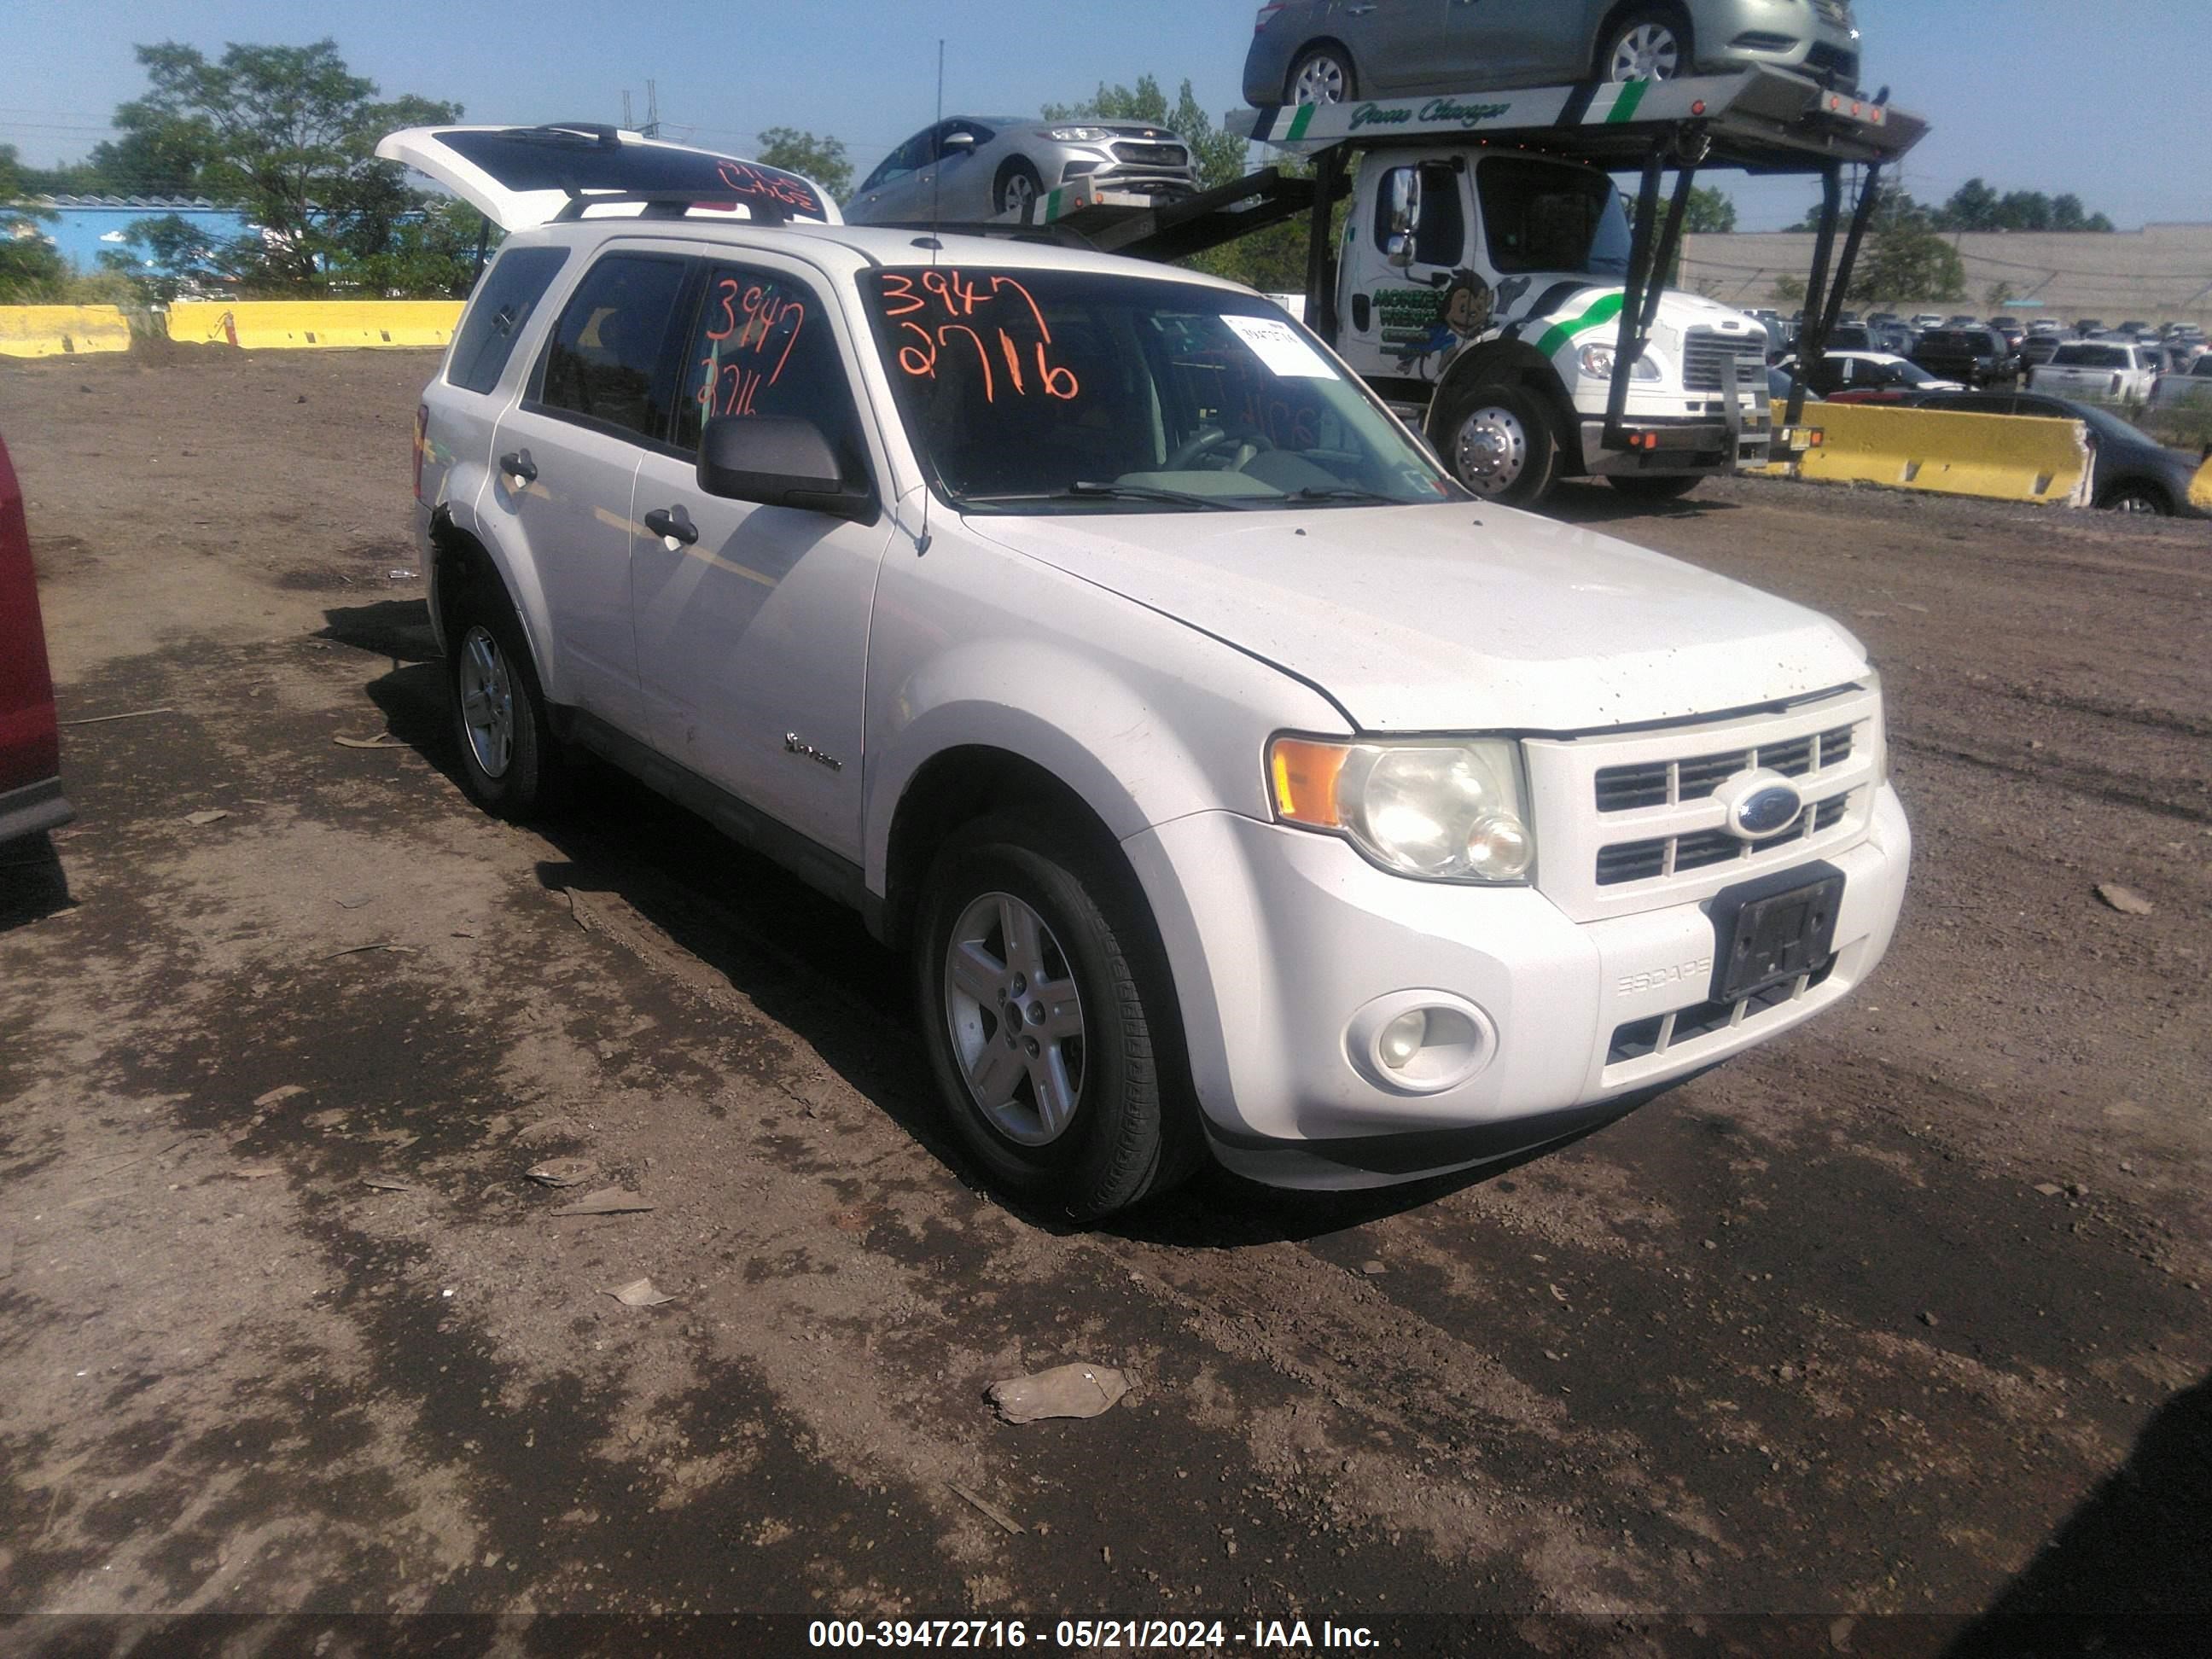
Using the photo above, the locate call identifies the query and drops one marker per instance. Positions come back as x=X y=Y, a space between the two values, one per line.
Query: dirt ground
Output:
x=1904 y=1315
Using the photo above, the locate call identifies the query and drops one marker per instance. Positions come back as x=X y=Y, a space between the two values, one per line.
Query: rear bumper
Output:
x=34 y=809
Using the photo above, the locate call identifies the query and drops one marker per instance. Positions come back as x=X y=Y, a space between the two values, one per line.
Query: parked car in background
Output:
x=31 y=799
x=2129 y=472
x=2085 y=326
x=1851 y=337
x=1868 y=377
x=1921 y=322
x=1777 y=386
x=1324 y=51
x=2039 y=348
x=2192 y=390
x=2011 y=329
x=970 y=168
x=2105 y=369
x=1972 y=356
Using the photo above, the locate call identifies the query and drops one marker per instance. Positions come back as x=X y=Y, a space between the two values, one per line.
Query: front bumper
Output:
x=34 y=809
x=1280 y=938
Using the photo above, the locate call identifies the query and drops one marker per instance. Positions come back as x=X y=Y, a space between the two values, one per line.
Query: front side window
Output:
x=607 y=362
x=1060 y=392
x=1543 y=215
x=498 y=312
x=762 y=345
x=1440 y=237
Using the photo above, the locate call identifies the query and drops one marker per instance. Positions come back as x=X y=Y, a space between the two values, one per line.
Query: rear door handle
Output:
x=517 y=463
x=673 y=524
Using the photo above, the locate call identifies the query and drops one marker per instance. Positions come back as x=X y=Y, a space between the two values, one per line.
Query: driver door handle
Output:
x=673 y=524
x=517 y=463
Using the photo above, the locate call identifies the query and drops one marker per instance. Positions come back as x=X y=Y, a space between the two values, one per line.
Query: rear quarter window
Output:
x=499 y=312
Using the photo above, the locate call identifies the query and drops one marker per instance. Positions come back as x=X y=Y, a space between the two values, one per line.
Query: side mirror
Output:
x=779 y=461
x=958 y=144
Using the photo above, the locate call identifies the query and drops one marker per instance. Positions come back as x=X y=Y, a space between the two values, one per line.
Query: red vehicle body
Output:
x=31 y=799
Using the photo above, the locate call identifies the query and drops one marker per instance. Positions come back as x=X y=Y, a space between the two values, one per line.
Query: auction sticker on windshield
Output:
x=1278 y=346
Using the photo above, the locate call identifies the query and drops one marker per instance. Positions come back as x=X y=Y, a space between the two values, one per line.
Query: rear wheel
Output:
x=1640 y=488
x=1647 y=43
x=512 y=763
x=1321 y=75
x=2134 y=496
x=1499 y=442
x=1047 y=1014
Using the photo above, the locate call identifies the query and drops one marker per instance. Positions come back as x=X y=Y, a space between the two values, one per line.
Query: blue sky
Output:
x=2104 y=100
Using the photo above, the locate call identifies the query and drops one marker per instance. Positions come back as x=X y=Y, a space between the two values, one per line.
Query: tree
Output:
x=822 y=160
x=288 y=136
x=1711 y=212
x=1972 y=206
x=1908 y=261
x=31 y=270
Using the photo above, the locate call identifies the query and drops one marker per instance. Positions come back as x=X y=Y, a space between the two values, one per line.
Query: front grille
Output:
x=1152 y=155
x=1663 y=1033
x=1707 y=353
x=1675 y=855
x=1661 y=783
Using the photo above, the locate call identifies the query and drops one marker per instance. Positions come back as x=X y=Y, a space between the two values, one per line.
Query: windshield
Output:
x=1056 y=391
x=1547 y=216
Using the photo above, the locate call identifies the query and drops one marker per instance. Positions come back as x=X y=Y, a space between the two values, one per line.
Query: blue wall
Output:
x=79 y=229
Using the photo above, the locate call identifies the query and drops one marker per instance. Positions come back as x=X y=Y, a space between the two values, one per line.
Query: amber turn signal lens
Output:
x=1304 y=776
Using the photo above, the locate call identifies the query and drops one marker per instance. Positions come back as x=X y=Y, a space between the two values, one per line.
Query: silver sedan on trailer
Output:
x=971 y=168
x=1324 y=51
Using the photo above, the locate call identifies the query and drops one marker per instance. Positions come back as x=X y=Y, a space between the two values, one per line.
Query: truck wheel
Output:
x=1666 y=488
x=1048 y=1017
x=512 y=764
x=1322 y=75
x=1017 y=188
x=1498 y=441
x=1647 y=43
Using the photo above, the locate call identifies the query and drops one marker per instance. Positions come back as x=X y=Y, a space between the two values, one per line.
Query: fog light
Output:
x=1402 y=1038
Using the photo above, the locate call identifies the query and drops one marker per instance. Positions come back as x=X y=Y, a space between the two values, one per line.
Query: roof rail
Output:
x=674 y=204
x=598 y=134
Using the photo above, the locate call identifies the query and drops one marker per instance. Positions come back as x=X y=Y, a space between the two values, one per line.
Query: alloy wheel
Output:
x=1321 y=81
x=1017 y=195
x=488 y=702
x=1016 y=1020
x=1649 y=51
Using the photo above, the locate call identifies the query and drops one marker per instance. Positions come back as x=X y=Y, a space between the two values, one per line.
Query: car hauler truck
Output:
x=1490 y=285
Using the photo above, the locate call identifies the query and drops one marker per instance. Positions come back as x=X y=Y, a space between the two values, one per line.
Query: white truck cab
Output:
x=1486 y=285
x=1239 y=785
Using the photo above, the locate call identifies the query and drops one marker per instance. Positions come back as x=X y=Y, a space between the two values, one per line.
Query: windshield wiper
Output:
x=1085 y=490
x=1345 y=493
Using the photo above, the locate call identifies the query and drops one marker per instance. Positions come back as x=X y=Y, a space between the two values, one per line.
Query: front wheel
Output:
x=2142 y=498
x=1499 y=442
x=1651 y=43
x=1017 y=188
x=1638 y=487
x=1047 y=1018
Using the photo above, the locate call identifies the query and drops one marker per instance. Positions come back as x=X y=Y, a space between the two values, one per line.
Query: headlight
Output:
x=1598 y=360
x=1448 y=809
x=1077 y=135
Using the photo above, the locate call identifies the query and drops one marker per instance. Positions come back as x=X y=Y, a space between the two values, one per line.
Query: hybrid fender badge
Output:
x=792 y=745
x=1759 y=804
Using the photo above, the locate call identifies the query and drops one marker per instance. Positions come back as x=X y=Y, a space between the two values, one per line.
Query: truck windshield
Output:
x=1542 y=216
x=1078 y=392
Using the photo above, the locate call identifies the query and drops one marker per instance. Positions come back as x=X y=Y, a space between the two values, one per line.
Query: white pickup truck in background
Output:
x=2107 y=370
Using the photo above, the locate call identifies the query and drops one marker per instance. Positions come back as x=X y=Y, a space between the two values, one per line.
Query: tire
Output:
x=1664 y=488
x=2134 y=496
x=1647 y=43
x=1090 y=1114
x=1321 y=74
x=512 y=763
x=1498 y=440
x=1017 y=188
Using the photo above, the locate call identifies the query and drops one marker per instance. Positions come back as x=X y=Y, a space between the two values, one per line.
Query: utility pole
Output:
x=625 y=109
x=652 y=128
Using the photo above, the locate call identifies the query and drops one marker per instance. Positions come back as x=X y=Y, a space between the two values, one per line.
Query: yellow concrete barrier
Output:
x=59 y=331
x=2013 y=458
x=266 y=325
x=2200 y=487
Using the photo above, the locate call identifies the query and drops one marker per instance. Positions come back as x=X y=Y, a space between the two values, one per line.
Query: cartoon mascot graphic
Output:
x=1464 y=309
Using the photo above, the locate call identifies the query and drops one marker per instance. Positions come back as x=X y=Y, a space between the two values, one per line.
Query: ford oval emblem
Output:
x=1758 y=804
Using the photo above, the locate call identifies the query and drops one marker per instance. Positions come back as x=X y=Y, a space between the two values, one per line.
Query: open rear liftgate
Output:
x=1759 y=121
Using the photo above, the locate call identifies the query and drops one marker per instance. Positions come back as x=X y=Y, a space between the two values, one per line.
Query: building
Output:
x=83 y=226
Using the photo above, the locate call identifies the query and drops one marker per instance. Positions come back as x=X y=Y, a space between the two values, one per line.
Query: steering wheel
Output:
x=1207 y=439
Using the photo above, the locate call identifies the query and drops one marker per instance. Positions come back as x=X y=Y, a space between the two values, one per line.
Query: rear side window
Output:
x=762 y=345
x=499 y=312
x=608 y=360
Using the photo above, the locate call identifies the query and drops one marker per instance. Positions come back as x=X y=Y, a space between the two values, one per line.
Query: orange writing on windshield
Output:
x=979 y=317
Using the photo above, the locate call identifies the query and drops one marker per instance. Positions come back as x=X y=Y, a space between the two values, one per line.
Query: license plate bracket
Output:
x=1771 y=930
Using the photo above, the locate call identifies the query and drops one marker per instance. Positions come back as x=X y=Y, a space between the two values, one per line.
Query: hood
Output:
x=1456 y=618
x=518 y=177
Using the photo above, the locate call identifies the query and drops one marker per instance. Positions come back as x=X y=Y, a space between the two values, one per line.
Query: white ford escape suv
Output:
x=1237 y=784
